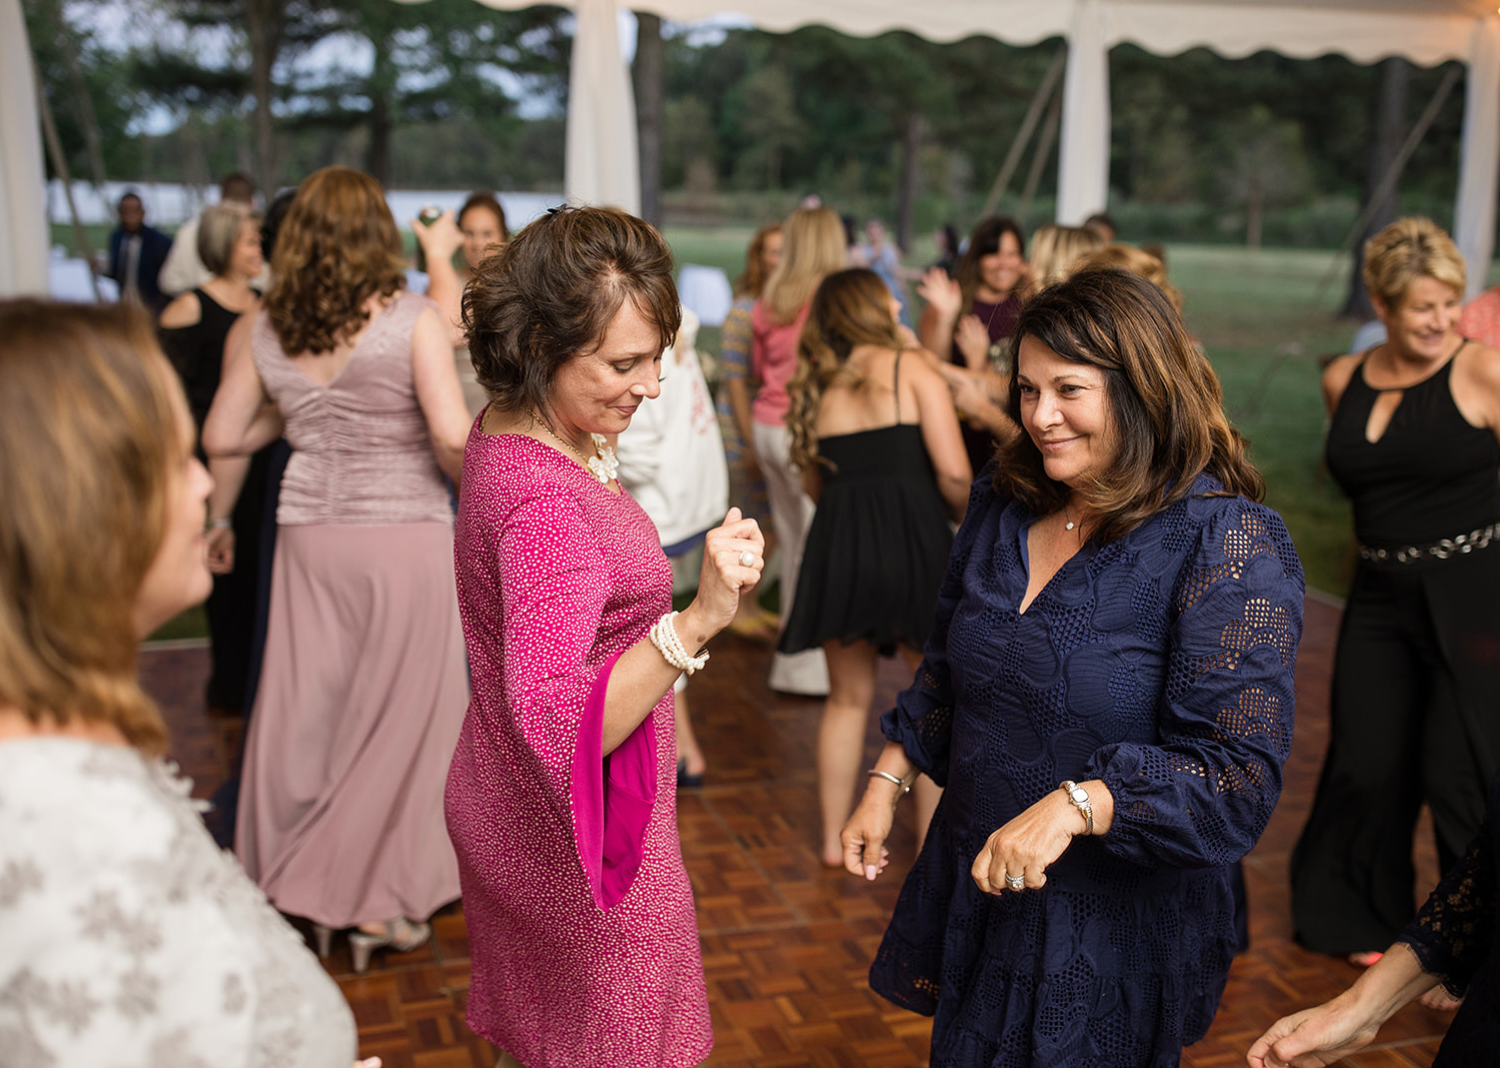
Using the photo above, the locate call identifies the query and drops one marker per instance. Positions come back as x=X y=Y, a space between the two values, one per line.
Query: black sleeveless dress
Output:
x=878 y=545
x=1415 y=713
x=197 y=352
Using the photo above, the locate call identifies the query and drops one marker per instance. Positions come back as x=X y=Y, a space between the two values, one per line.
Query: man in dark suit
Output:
x=136 y=253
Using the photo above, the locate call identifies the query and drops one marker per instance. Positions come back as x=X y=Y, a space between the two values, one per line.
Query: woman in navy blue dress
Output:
x=1107 y=696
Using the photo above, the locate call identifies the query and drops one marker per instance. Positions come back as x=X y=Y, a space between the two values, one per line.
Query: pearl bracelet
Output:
x=664 y=637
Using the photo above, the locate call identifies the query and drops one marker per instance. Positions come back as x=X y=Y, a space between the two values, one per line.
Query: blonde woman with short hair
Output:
x=1414 y=441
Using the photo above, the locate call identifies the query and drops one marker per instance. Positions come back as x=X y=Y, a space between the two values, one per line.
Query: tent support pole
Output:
x=60 y=165
x=1392 y=174
x=1039 y=101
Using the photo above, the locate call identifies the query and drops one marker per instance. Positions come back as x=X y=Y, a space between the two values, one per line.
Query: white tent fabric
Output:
x=23 y=205
x=1083 y=156
x=602 y=162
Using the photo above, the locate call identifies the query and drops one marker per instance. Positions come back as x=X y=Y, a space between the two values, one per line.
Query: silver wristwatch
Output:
x=1079 y=797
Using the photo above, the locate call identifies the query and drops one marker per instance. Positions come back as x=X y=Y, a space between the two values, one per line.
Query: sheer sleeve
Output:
x=922 y=720
x=1201 y=796
x=554 y=585
x=1456 y=929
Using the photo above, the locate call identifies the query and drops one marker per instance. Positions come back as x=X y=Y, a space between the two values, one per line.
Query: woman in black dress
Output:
x=1416 y=686
x=878 y=444
x=193 y=329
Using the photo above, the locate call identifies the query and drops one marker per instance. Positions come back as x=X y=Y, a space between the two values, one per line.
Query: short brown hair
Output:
x=551 y=293
x=219 y=231
x=88 y=432
x=337 y=247
x=1166 y=406
x=1407 y=250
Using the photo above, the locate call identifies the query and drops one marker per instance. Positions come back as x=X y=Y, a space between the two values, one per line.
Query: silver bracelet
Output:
x=669 y=645
x=1078 y=797
x=877 y=773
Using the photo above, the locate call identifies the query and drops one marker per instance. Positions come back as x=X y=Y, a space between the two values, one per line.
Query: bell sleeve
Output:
x=1455 y=930
x=1203 y=793
x=554 y=585
x=922 y=721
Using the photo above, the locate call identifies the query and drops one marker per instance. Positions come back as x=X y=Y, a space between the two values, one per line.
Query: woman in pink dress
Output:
x=363 y=687
x=560 y=798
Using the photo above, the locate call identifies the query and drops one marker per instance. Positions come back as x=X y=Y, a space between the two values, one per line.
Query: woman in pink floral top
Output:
x=560 y=798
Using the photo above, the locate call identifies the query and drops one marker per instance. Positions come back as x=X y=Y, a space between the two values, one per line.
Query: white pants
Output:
x=791 y=514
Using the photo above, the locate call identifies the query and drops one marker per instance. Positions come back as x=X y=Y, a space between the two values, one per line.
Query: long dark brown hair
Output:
x=337 y=247
x=985 y=241
x=850 y=308
x=1166 y=407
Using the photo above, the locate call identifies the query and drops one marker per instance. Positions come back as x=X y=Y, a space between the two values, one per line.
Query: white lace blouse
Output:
x=128 y=938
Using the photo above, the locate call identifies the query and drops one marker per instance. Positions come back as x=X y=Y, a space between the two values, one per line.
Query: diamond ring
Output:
x=1016 y=882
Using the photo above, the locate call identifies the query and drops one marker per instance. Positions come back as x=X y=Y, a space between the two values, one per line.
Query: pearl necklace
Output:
x=604 y=466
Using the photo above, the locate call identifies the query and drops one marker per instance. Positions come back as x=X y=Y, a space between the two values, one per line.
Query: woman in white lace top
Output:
x=126 y=937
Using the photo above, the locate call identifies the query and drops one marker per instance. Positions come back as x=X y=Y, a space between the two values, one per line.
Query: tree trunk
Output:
x=381 y=88
x=1388 y=130
x=647 y=76
x=88 y=119
x=906 y=193
x=265 y=20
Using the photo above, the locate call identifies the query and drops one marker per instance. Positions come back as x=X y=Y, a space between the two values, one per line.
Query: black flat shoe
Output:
x=684 y=780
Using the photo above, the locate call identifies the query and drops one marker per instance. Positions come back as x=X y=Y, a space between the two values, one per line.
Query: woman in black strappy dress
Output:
x=877 y=440
x=1416 y=686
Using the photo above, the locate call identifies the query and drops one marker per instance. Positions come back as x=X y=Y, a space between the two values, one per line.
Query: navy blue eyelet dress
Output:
x=1160 y=663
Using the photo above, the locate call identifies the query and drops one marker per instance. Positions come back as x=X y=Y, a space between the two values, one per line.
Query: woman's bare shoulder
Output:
x=186 y=310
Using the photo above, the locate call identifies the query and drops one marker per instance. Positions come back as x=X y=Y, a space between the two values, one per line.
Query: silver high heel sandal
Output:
x=402 y=935
x=324 y=937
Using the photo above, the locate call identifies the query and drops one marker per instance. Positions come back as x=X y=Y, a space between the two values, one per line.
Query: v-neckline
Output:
x=1024 y=548
x=364 y=335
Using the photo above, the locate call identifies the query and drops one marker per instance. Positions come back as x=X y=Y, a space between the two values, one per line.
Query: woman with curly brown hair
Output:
x=363 y=687
x=877 y=441
x=1106 y=698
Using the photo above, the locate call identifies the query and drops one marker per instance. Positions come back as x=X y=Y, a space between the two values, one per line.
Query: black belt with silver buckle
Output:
x=1437 y=550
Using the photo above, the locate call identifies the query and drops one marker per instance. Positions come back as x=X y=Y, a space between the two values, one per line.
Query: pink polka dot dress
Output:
x=580 y=915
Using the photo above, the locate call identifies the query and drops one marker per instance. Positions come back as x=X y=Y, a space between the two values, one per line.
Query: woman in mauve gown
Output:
x=363 y=684
x=560 y=798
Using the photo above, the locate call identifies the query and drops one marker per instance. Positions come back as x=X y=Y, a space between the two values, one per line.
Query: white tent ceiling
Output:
x=601 y=157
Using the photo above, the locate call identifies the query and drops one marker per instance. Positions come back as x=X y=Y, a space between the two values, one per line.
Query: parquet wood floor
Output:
x=786 y=944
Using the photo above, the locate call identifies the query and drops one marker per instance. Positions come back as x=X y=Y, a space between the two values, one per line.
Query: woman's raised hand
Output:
x=439 y=239
x=973 y=340
x=941 y=293
x=733 y=558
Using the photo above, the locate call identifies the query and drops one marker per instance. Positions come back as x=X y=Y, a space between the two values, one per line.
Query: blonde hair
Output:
x=1407 y=250
x=1137 y=261
x=219 y=231
x=88 y=433
x=1056 y=250
x=812 y=247
x=852 y=307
